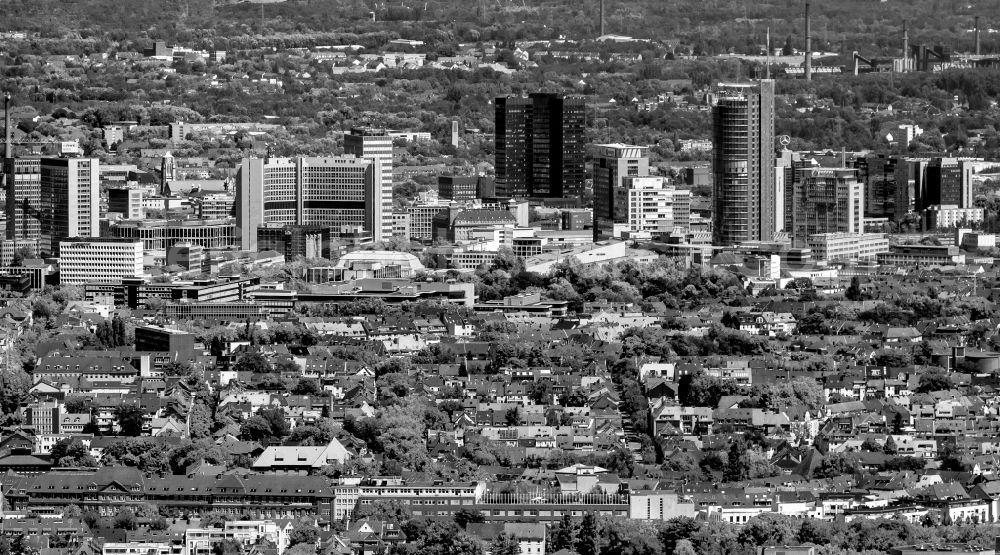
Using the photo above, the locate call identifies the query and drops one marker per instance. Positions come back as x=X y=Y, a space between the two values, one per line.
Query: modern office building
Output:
x=948 y=182
x=464 y=188
x=24 y=192
x=69 y=200
x=910 y=176
x=309 y=241
x=214 y=205
x=163 y=234
x=647 y=206
x=330 y=192
x=612 y=164
x=421 y=220
x=826 y=200
x=187 y=256
x=117 y=175
x=94 y=259
x=127 y=202
x=847 y=246
x=949 y=216
x=160 y=339
x=540 y=146
x=375 y=144
x=878 y=173
x=168 y=172
x=744 y=163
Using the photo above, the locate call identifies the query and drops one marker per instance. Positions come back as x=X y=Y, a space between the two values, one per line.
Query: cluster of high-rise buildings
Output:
x=302 y=205
x=762 y=193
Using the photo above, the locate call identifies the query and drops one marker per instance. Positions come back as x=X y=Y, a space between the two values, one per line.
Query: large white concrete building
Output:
x=92 y=259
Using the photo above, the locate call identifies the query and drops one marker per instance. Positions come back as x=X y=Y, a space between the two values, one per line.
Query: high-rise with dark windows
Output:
x=744 y=203
x=540 y=146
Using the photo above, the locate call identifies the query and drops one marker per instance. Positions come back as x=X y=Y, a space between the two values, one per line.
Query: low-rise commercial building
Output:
x=847 y=246
x=913 y=255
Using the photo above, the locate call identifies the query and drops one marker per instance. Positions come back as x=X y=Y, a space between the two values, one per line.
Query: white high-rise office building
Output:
x=334 y=192
x=375 y=144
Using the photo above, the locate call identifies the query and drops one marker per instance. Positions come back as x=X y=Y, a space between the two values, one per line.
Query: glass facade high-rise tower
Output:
x=540 y=146
x=744 y=203
x=69 y=200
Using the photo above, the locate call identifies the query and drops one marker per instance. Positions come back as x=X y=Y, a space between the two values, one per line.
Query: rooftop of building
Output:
x=480 y=216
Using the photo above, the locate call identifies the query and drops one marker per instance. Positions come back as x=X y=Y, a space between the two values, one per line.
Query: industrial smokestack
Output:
x=977 y=35
x=602 y=18
x=7 y=149
x=906 y=48
x=808 y=62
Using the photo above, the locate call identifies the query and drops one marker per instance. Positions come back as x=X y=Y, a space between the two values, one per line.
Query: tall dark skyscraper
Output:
x=744 y=203
x=540 y=146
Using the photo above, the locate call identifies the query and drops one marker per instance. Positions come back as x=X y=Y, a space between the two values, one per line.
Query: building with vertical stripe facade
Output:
x=333 y=192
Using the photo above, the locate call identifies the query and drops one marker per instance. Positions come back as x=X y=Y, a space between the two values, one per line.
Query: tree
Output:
x=813 y=324
x=76 y=405
x=564 y=534
x=730 y=320
x=746 y=463
x=513 y=417
x=125 y=520
x=897 y=424
x=254 y=363
x=179 y=368
x=72 y=453
x=933 y=381
x=463 y=517
x=872 y=446
x=72 y=511
x=836 y=464
x=307 y=386
x=701 y=390
x=788 y=49
x=675 y=530
x=130 y=419
x=684 y=547
x=200 y=421
x=303 y=533
x=891 y=358
x=266 y=424
x=227 y=547
x=854 y=292
x=890 y=447
x=389 y=510
x=588 y=540
x=505 y=544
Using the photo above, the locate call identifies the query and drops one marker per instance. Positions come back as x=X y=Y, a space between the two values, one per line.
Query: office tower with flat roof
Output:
x=744 y=163
x=375 y=144
x=826 y=200
x=69 y=200
x=948 y=183
x=24 y=182
x=127 y=202
x=304 y=191
x=612 y=164
x=878 y=173
x=540 y=146
x=648 y=206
